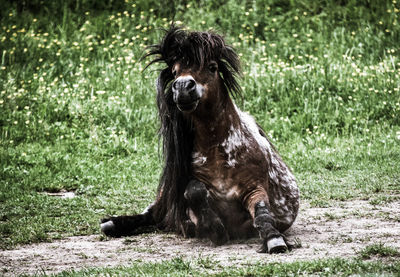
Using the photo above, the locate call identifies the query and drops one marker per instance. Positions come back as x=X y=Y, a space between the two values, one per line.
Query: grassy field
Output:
x=179 y=267
x=78 y=114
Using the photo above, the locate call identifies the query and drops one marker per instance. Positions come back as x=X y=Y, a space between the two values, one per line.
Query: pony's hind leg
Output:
x=127 y=225
x=208 y=224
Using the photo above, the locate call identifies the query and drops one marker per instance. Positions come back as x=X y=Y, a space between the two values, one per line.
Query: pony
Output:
x=222 y=178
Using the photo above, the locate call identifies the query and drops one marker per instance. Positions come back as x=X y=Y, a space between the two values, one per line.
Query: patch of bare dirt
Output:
x=340 y=231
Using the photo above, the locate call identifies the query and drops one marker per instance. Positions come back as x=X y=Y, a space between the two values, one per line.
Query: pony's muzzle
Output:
x=185 y=93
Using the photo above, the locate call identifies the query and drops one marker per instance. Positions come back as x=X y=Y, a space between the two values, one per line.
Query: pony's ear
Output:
x=163 y=80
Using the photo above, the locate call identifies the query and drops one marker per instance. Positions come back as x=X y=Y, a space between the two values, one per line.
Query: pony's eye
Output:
x=174 y=73
x=213 y=67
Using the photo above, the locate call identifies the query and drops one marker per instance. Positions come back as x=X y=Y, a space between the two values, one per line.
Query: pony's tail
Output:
x=128 y=225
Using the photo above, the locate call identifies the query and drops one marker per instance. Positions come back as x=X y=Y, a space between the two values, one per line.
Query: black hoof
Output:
x=218 y=234
x=107 y=226
x=188 y=229
x=212 y=227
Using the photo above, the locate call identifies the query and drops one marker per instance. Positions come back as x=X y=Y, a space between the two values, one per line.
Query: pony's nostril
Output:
x=190 y=84
x=174 y=85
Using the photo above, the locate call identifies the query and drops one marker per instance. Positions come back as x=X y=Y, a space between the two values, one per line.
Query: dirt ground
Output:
x=340 y=231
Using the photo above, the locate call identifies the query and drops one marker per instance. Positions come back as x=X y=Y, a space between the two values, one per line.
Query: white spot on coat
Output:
x=198 y=159
x=232 y=143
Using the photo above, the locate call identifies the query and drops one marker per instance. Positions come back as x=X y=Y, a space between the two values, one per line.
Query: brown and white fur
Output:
x=222 y=179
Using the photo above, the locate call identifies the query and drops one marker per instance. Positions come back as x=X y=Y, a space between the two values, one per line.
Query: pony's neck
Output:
x=212 y=127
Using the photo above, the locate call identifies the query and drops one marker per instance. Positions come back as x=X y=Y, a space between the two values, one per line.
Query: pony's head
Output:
x=201 y=69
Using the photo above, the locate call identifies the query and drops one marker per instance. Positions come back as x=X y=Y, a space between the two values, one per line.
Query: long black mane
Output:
x=194 y=49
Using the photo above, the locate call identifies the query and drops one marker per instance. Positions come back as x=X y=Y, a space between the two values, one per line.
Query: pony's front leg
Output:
x=207 y=222
x=126 y=225
x=273 y=240
x=263 y=221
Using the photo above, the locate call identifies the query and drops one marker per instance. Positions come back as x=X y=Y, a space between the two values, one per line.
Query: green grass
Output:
x=207 y=267
x=379 y=250
x=199 y=267
x=77 y=113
